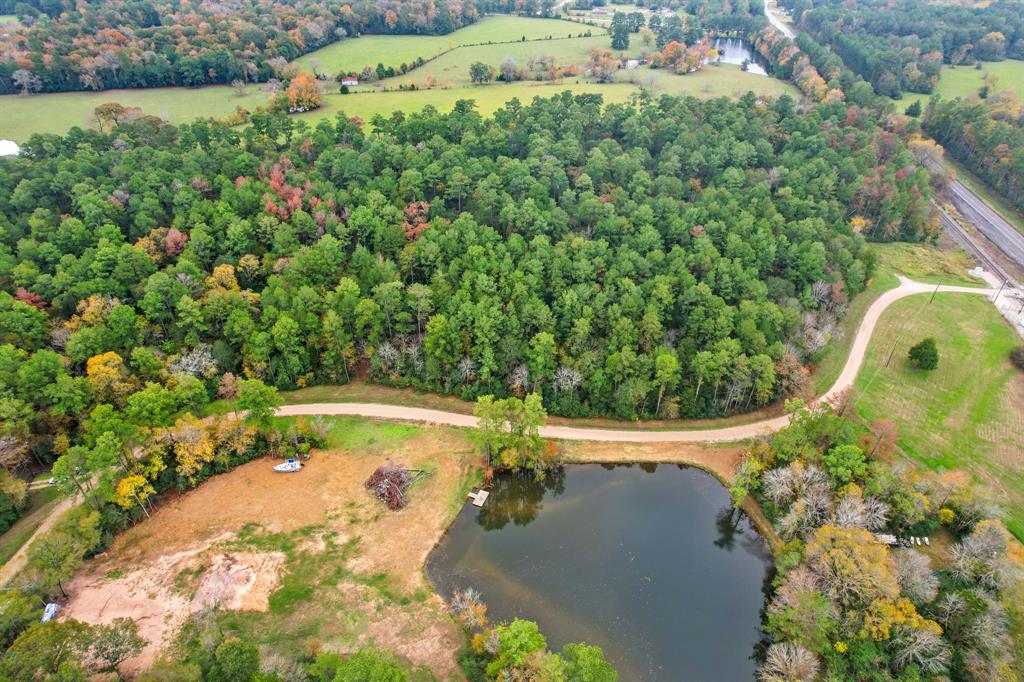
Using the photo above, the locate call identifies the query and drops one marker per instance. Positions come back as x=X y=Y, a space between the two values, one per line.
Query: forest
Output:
x=679 y=258
x=986 y=136
x=903 y=48
x=62 y=46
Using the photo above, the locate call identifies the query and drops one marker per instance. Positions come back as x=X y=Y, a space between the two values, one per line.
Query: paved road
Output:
x=988 y=222
x=777 y=19
x=716 y=435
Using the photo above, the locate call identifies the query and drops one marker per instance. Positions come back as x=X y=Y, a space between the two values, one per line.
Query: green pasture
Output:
x=965 y=81
x=354 y=53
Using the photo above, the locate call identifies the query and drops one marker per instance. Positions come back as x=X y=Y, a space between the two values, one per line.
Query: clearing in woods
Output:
x=965 y=414
x=965 y=81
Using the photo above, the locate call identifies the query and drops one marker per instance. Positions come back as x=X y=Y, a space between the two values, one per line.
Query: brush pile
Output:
x=390 y=482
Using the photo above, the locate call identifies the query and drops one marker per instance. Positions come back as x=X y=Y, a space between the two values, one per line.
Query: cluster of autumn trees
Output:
x=847 y=606
x=789 y=62
x=987 y=136
x=61 y=46
x=903 y=46
x=674 y=258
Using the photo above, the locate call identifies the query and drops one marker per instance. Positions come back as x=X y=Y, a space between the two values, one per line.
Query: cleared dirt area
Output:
x=288 y=557
x=197 y=552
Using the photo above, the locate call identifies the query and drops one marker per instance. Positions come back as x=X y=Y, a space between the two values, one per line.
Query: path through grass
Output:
x=963 y=415
x=355 y=53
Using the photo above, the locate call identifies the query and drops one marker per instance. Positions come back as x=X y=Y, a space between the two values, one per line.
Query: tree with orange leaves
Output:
x=302 y=94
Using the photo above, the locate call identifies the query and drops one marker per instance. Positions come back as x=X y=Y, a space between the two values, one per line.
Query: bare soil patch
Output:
x=189 y=555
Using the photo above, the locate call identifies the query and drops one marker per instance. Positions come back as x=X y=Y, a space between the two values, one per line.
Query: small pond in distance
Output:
x=649 y=562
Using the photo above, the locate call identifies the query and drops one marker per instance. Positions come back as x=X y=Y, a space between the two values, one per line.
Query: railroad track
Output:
x=967 y=242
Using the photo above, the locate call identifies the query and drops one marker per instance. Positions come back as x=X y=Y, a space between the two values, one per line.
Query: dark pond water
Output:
x=736 y=51
x=650 y=562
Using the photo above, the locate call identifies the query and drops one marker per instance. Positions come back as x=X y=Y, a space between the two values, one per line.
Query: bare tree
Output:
x=239 y=86
x=914 y=574
x=789 y=662
x=467 y=369
x=567 y=379
x=508 y=69
x=27 y=81
x=519 y=379
x=469 y=608
x=981 y=557
x=923 y=646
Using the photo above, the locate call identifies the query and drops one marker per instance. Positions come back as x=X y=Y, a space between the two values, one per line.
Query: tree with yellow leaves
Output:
x=109 y=377
x=133 y=490
x=191 y=444
x=853 y=568
x=303 y=93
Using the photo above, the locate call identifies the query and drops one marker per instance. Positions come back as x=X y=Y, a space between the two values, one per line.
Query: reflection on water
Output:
x=649 y=562
x=736 y=51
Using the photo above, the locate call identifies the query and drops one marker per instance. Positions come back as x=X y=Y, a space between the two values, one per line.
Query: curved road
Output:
x=846 y=378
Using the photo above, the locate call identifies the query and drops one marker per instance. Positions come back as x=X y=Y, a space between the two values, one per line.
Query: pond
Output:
x=736 y=51
x=649 y=562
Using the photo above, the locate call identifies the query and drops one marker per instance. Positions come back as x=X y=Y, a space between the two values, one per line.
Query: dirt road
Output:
x=846 y=378
x=726 y=434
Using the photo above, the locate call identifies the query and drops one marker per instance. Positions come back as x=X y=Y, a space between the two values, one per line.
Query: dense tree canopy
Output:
x=986 y=136
x=589 y=245
x=902 y=46
x=100 y=45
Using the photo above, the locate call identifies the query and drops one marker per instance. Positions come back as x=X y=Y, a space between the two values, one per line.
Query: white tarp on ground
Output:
x=9 y=148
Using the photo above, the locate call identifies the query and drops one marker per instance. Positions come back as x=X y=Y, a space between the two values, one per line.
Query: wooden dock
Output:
x=479 y=497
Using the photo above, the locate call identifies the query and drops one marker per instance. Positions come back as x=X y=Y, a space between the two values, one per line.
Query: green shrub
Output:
x=925 y=355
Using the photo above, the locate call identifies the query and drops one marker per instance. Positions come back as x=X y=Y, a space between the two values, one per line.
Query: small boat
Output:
x=49 y=612
x=288 y=467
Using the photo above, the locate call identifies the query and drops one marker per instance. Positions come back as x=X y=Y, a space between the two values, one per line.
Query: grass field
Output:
x=354 y=54
x=21 y=116
x=40 y=503
x=963 y=415
x=488 y=98
x=452 y=68
x=964 y=81
x=716 y=80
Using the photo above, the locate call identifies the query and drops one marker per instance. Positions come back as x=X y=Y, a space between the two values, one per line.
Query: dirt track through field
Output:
x=725 y=434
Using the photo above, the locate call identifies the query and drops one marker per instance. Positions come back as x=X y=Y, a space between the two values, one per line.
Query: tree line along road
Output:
x=723 y=434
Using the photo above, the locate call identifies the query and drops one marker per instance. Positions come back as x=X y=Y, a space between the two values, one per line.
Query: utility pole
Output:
x=999 y=291
x=933 y=293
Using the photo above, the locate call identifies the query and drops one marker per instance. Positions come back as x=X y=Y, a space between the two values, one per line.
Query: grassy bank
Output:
x=41 y=501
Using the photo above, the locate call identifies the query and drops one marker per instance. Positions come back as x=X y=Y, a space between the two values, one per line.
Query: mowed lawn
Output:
x=21 y=116
x=964 y=81
x=354 y=53
x=488 y=98
x=714 y=80
x=966 y=413
x=452 y=68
